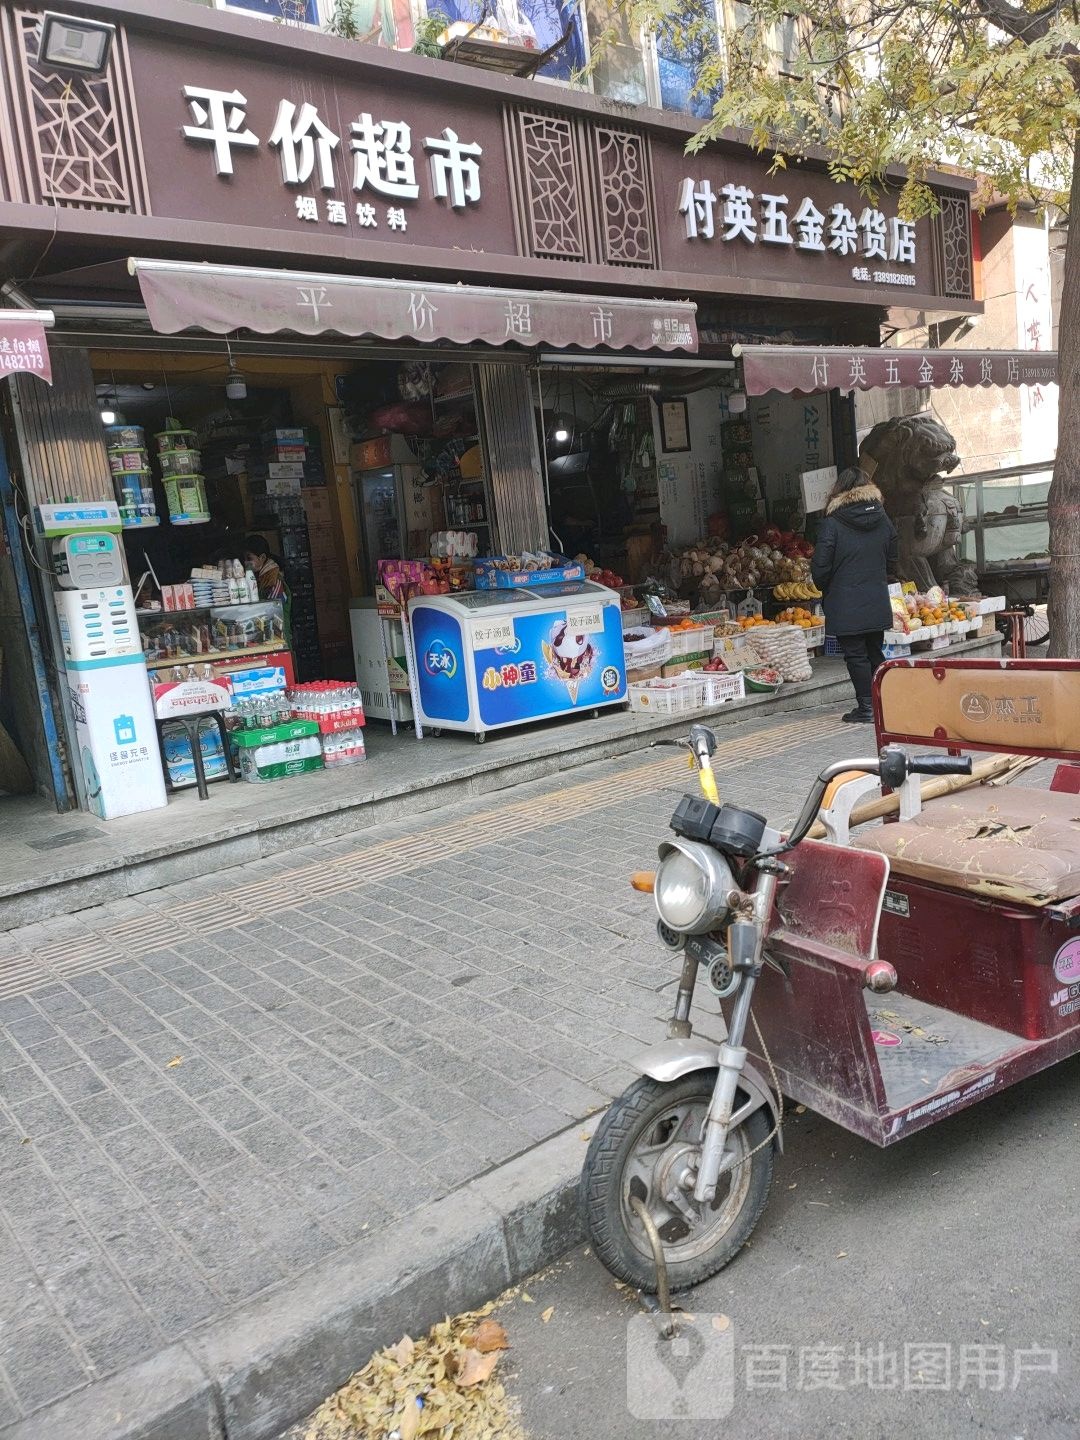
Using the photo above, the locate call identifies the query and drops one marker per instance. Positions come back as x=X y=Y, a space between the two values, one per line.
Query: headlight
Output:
x=693 y=883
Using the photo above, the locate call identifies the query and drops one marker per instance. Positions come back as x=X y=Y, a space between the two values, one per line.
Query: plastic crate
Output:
x=722 y=686
x=814 y=636
x=691 y=642
x=640 y=615
x=832 y=645
x=668 y=697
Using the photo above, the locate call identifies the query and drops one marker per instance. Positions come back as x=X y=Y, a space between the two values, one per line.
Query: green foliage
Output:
x=343 y=21
x=428 y=29
x=985 y=87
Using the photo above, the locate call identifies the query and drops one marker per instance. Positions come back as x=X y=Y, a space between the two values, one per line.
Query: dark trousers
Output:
x=862 y=656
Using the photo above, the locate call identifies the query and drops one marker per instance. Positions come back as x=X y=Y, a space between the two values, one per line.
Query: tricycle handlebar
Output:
x=939 y=765
x=898 y=765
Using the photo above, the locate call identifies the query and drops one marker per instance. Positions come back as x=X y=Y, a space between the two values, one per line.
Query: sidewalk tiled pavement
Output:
x=210 y=1089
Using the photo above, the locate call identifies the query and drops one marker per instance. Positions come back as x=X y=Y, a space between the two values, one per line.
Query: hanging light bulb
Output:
x=108 y=417
x=235 y=383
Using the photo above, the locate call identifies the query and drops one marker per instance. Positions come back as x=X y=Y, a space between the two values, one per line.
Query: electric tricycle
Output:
x=885 y=985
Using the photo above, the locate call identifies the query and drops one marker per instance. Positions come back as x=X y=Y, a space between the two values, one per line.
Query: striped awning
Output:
x=806 y=369
x=222 y=299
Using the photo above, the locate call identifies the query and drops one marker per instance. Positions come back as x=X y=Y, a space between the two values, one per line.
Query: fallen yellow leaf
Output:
x=721 y=1322
x=841 y=1255
x=176 y=1060
x=527 y=1298
x=409 y=1423
x=403 y=1350
x=474 y=1368
x=489 y=1335
x=547 y=1314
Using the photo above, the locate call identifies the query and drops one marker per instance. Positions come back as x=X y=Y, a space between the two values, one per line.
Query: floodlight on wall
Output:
x=72 y=42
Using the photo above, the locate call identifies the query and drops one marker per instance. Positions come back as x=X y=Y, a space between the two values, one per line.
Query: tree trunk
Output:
x=1064 y=502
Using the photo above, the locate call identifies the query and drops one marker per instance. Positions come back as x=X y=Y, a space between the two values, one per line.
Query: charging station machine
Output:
x=103 y=659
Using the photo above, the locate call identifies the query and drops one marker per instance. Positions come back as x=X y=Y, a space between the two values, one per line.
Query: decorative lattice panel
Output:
x=77 y=131
x=551 y=176
x=625 y=214
x=952 y=236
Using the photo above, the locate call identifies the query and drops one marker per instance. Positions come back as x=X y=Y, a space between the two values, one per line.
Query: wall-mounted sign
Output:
x=816 y=485
x=766 y=218
x=23 y=347
x=381 y=153
x=674 y=426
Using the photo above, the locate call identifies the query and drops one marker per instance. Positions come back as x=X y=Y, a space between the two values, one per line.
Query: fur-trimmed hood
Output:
x=867 y=494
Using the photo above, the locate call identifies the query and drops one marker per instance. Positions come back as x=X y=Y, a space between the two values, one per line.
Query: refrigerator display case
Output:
x=490 y=659
x=395 y=514
x=381 y=669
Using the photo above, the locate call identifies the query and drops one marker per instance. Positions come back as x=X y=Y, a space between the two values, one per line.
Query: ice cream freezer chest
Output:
x=487 y=659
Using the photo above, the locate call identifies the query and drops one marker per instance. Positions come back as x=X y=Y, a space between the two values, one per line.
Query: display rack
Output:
x=272 y=647
x=391 y=612
x=981 y=529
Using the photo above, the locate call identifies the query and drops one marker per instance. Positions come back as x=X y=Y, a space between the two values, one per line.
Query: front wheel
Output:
x=646 y=1141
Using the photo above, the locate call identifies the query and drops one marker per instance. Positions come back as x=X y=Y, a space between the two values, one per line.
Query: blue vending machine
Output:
x=488 y=659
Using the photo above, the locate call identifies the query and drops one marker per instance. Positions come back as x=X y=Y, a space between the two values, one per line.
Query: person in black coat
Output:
x=854 y=562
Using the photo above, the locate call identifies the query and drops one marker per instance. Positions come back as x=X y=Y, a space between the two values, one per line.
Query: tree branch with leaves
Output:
x=889 y=93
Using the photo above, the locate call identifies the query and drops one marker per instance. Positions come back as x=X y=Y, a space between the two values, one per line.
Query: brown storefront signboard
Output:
x=225 y=138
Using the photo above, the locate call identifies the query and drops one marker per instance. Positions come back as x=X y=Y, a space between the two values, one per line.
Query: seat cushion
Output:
x=1014 y=844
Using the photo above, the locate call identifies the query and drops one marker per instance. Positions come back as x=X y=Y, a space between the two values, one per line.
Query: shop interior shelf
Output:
x=243 y=651
x=197 y=609
x=1037 y=514
x=1016 y=567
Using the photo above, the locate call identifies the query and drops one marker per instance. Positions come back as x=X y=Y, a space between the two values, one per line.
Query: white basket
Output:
x=722 y=686
x=692 y=642
x=640 y=615
x=668 y=697
x=814 y=636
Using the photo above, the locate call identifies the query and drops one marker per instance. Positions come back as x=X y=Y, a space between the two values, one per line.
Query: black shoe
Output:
x=859 y=716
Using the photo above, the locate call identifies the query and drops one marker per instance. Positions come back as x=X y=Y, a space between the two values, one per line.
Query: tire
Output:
x=618 y=1238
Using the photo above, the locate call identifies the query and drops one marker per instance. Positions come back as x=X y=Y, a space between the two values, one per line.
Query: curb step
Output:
x=266 y=1367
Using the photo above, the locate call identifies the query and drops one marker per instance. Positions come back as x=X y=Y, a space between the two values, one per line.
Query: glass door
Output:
x=380 y=515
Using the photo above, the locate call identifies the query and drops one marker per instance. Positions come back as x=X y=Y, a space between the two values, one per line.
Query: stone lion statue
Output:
x=909 y=457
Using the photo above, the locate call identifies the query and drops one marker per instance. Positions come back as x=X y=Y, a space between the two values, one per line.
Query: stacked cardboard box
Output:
x=274 y=486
